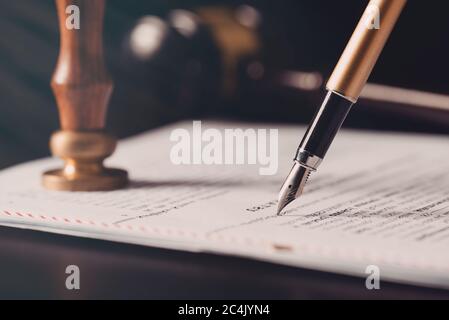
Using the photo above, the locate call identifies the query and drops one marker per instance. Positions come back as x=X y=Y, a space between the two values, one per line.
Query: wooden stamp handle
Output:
x=81 y=83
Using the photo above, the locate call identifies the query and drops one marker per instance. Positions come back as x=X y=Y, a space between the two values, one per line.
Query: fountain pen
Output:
x=344 y=88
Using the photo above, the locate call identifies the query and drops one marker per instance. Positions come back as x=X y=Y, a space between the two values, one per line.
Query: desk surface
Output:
x=34 y=263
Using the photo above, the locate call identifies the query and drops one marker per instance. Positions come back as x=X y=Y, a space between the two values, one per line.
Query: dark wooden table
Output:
x=33 y=266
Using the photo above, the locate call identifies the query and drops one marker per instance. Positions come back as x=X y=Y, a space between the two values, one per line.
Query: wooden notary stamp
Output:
x=82 y=87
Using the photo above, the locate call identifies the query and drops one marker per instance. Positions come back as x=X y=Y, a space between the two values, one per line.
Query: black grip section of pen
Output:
x=325 y=125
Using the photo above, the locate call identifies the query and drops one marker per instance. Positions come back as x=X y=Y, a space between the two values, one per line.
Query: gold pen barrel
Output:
x=364 y=48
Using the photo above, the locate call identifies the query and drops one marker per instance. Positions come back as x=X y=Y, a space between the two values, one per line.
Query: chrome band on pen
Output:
x=308 y=160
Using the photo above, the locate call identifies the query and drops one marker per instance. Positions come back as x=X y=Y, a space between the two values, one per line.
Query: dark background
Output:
x=293 y=35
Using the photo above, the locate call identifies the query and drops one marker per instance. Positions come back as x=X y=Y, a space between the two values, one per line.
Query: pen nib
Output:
x=293 y=185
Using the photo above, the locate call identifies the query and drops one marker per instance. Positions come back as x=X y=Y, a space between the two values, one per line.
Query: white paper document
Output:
x=378 y=199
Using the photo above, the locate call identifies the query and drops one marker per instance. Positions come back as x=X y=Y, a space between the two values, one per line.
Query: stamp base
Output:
x=107 y=180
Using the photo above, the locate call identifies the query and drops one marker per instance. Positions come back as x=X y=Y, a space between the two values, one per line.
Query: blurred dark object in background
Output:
x=247 y=60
